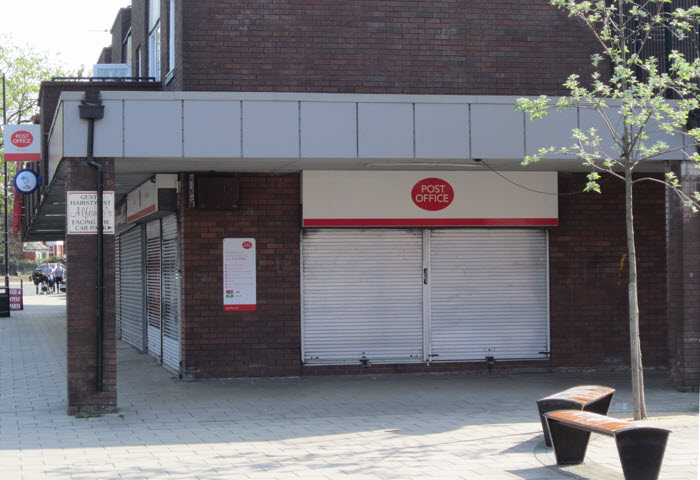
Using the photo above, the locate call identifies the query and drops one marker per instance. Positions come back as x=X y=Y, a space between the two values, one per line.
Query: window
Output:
x=126 y=50
x=138 y=62
x=171 y=36
x=154 y=39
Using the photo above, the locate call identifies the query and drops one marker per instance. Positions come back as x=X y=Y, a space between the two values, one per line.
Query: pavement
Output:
x=313 y=428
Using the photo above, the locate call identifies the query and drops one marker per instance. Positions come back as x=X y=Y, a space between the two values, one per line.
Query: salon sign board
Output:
x=239 y=275
x=81 y=213
x=22 y=143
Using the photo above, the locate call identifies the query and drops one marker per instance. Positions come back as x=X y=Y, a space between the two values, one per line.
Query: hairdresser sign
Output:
x=81 y=213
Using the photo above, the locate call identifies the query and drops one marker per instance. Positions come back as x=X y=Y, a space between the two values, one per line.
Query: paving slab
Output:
x=326 y=428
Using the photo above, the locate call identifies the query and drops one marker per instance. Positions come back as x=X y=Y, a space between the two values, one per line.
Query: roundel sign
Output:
x=247 y=245
x=21 y=139
x=432 y=194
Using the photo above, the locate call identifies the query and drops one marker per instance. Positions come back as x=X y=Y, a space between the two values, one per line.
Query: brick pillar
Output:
x=81 y=309
x=683 y=256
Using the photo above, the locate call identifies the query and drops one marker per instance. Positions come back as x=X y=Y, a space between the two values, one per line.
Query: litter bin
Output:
x=4 y=302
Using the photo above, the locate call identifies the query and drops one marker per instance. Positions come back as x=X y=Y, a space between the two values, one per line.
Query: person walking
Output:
x=58 y=277
x=48 y=272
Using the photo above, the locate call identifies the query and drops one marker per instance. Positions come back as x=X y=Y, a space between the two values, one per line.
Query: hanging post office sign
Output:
x=81 y=213
x=22 y=143
x=239 y=275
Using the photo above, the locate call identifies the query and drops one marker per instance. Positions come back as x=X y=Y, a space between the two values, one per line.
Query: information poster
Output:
x=81 y=213
x=239 y=275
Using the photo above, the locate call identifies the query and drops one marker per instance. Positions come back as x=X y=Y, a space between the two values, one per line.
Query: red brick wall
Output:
x=588 y=277
x=139 y=35
x=265 y=342
x=119 y=30
x=503 y=47
x=684 y=282
x=81 y=305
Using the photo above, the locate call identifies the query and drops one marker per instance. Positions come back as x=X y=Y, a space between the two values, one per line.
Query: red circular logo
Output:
x=21 y=139
x=247 y=245
x=432 y=194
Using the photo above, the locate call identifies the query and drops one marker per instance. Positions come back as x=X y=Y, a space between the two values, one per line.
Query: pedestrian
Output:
x=58 y=277
x=48 y=272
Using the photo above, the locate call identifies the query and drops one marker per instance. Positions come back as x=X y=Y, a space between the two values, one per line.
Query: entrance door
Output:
x=488 y=294
x=362 y=299
x=389 y=296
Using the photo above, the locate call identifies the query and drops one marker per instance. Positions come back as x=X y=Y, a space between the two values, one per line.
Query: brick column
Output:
x=683 y=257
x=81 y=309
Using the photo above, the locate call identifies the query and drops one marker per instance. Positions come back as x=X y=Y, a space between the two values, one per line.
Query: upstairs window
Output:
x=154 y=39
x=171 y=36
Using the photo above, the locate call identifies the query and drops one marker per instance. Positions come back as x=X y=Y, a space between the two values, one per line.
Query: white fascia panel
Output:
x=271 y=129
x=75 y=130
x=109 y=136
x=591 y=119
x=497 y=131
x=442 y=131
x=385 y=130
x=553 y=130
x=328 y=130
x=55 y=143
x=152 y=128
x=212 y=129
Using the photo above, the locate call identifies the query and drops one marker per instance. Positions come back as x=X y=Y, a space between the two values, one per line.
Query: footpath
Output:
x=320 y=428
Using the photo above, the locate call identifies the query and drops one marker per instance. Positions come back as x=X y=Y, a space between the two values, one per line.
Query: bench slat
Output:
x=585 y=394
x=594 y=422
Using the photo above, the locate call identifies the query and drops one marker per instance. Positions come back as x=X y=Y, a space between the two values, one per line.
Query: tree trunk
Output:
x=640 y=409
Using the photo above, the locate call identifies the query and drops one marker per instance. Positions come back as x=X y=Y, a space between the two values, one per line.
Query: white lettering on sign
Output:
x=432 y=194
x=21 y=139
x=81 y=213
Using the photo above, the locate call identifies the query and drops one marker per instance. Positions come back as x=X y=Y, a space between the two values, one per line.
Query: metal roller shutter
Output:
x=362 y=296
x=131 y=287
x=171 y=294
x=117 y=286
x=488 y=294
x=153 y=288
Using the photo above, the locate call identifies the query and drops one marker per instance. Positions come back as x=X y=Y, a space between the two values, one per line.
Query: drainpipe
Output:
x=92 y=112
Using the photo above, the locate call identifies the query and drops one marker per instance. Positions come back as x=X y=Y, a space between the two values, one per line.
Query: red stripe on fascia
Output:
x=239 y=308
x=23 y=157
x=141 y=214
x=437 y=222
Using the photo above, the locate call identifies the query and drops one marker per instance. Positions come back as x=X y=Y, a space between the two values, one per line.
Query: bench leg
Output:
x=602 y=406
x=569 y=443
x=641 y=453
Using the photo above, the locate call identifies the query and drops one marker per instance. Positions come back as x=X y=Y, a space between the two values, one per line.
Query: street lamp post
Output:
x=7 y=250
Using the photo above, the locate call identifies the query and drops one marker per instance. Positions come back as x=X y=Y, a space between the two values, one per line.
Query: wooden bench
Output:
x=591 y=398
x=641 y=448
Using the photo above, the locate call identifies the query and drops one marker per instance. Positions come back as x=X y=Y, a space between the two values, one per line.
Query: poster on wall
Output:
x=239 y=275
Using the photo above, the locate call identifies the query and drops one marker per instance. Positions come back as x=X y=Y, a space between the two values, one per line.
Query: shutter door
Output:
x=171 y=294
x=117 y=293
x=153 y=288
x=131 y=287
x=362 y=296
x=488 y=294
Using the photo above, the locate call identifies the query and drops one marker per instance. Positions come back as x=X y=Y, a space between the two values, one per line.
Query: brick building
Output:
x=335 y=187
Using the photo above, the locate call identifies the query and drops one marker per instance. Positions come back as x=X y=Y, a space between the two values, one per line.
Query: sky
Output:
x=73 y=32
